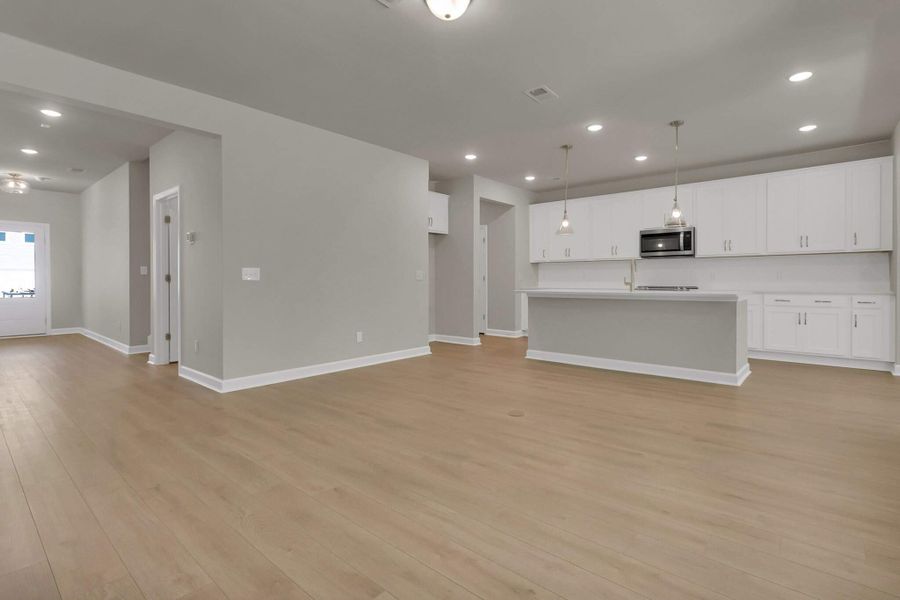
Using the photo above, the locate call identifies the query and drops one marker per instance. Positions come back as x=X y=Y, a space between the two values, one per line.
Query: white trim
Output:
x=627 y=366
x=65 y=331
x=252 y=381
x=826 y=361
x=454 y=339
x=114 y=344
x=200 y=378
x=158 y=323
x=44 y=229
x=152 y=360
x=505 y=333
x=895 y=371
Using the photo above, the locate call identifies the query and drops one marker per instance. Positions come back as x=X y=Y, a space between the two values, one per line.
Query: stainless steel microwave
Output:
x=667 y=241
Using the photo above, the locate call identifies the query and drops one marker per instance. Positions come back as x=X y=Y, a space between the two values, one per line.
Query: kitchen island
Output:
x=694 y=335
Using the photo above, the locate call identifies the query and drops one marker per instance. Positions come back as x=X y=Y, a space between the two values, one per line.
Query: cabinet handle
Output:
x=724 y=245
x=612 y=250
x=806 y=239
x=801 y=241
x=854 y=320
x=823 y=301
x=617 y=250
x=854 y=238
x=781 y=300
x=804 y=318
x=865 y=302
x=798 y=319
x=729 y=245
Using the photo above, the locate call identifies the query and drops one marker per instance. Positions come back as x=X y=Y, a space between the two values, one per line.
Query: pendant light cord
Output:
x=676 y=161
x=566 y=192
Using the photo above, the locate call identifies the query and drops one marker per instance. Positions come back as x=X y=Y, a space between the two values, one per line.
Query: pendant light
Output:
x=675 y=218
x=565 y=227
x=14 y=184
x=447 y=10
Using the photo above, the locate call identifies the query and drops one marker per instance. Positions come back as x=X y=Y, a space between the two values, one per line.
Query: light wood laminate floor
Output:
x=410 y=480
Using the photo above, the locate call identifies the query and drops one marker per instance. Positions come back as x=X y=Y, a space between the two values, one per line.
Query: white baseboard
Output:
x=826 y=361
x=151 y=360
x=895 y=371
x=65 y=331
x=114 y=344
x=627 y=366
x=251 y=381
x=505 y=333
x=454 y=339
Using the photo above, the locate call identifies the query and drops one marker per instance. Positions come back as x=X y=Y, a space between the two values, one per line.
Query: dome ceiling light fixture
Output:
x=13 y=183
x=447 y=10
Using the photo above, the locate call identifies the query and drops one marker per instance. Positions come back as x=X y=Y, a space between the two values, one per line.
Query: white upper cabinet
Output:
x=438 y=213
x=576 y=246
x=657 y=203
x=541 y=230
x=730 y=217
x=868 y=205
x=806 y=210
x=617 y=221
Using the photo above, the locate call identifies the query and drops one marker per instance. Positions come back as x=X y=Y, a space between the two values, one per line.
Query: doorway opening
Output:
x=165 y=260
x=24 y=278
x=496 y=302
x=481 y=281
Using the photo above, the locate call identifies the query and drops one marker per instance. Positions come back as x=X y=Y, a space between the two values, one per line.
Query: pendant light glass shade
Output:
x=675 y=218
x=447 y=10
x=14 y=184
x=565 y=227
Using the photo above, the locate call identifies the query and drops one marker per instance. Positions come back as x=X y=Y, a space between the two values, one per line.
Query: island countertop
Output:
x=612 y=294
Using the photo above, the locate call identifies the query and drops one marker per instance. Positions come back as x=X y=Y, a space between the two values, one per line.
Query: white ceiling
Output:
x=403 y=79
x=82 y=138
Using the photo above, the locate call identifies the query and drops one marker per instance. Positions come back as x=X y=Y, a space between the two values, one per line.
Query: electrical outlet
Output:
x=250 y=273
x=359 y=337
x=196 y=346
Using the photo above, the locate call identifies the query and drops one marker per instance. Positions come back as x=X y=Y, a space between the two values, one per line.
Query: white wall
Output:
x=335 y=224
x=63 y=213
x=838 y=273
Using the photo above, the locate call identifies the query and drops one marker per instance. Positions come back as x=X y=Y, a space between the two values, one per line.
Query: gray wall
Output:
x=698 y=335
x=193 y=162
x=335 y=224
x=139 y=251
x=752 y=167
x=105 y=256
x=454 y=262
x=63 y=213
x=500 y=220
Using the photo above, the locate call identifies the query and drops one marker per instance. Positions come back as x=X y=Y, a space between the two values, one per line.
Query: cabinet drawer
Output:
x=871 y=301
x=822 y=300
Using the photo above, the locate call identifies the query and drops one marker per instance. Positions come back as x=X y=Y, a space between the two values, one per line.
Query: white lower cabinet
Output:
x=858 y=327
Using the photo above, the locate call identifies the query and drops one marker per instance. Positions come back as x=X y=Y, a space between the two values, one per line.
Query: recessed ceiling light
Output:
x=807 y=128
x=45 y=125
x=594 y=127
x=30 y=151
x=529 y=178
x=49 y=112
x=801 y=76
x=640 y=158
x=471 y=156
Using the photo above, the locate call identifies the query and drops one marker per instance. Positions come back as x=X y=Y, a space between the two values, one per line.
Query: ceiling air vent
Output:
x=541 y=94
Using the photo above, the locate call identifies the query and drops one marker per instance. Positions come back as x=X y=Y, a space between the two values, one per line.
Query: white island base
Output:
x=685 y=335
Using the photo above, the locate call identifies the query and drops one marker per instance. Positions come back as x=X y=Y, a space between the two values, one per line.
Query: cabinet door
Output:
x=626 y=218
x=438 y=213
x=823 y=209
x=657 y=203
x=755 y=326
x=541 y=230
x=709 y=203
x=869 y=334
x=826 y=331
x=578 y=244
x=743 y=216
x=864 y=206
x=782 y=329
x=783 y=214
x=602 y=243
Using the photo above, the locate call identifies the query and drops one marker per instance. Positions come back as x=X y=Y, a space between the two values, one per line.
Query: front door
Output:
x=24 y=292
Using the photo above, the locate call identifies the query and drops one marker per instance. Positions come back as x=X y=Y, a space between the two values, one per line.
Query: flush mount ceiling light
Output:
x=49 y=112
x=14 y=184
x=675 y=218
x=529 y=178
x=594 y=127
x=29 y=151
x=565 y=227
x=640 y=157
x=447 y=10
x=471 y=156
x=807 y=128
x=801 y=76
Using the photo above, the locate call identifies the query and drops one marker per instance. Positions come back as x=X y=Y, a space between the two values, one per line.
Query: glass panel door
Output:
x=23 y=301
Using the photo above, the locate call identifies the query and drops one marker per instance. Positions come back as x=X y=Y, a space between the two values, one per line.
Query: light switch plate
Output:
x=144 y=270
x=420 y=275
x=250 y=273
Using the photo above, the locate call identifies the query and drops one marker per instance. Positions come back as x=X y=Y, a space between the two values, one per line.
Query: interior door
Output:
x=24 y=290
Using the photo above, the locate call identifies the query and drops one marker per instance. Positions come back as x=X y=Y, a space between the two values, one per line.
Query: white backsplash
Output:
x=840 y=273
